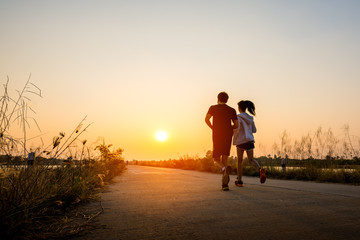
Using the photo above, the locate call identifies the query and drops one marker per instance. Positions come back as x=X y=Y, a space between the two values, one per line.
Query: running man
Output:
x=224 y=121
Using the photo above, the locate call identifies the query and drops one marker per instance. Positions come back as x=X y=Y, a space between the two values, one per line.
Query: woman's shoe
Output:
x=262 y=175
x=239 y=183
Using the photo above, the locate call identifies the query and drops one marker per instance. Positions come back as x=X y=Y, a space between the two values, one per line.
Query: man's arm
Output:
x=207 y=120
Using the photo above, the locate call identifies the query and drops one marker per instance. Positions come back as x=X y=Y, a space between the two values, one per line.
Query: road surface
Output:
x=162 y=203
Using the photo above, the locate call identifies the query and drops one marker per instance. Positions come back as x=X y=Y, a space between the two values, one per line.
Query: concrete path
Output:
x=161 y=203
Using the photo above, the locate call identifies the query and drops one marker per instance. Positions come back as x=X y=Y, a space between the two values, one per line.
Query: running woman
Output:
x=244 y=140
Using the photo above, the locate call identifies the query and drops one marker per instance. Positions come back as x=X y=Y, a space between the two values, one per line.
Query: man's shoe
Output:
x=262 y=175
x=226 y=177
x=225 y=187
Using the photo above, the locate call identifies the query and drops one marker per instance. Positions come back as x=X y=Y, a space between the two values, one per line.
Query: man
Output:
x=224 y=121
x=31 y=158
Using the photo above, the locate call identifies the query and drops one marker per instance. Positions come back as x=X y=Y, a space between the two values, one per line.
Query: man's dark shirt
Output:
x=222 y=132
x=222 y=115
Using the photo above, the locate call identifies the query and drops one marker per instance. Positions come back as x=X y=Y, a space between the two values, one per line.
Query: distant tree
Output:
x=209 y=154
x=285 y=147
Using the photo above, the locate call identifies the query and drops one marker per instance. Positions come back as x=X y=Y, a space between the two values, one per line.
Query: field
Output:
x=332 y=170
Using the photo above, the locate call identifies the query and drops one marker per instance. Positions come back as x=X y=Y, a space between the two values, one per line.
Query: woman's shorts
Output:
x=246 y=146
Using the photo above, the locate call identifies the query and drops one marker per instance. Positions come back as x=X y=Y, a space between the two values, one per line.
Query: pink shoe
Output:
x=262 y=175
x=239 y=183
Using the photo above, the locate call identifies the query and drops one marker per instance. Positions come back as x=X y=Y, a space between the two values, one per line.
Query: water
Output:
x=6 y=170
x=323 y=169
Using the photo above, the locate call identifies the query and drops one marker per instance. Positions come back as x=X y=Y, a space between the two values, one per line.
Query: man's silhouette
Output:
x=224 y=121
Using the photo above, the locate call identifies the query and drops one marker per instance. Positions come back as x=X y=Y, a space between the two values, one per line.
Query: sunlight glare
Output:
x=161 y=136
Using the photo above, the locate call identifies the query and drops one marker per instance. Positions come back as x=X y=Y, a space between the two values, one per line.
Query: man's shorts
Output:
x=221 y=145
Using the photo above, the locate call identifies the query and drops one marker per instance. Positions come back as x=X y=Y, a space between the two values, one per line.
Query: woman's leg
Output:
x=250 y=155
x=240 y=155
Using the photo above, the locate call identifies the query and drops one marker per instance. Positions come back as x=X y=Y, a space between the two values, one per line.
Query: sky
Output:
x=137 y=67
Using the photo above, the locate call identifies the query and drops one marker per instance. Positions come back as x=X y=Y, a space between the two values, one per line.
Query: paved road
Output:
x=160 y=203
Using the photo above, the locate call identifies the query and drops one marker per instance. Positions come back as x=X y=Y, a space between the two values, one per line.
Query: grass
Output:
x=35 y=201
x=310 y=173
x=200 y=164
x=333 y=171
x=32 y=197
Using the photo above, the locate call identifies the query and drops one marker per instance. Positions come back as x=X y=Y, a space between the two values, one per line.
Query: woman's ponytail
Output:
x=249 y=105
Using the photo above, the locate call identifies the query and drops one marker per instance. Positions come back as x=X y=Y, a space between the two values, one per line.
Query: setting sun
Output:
x=161 y=136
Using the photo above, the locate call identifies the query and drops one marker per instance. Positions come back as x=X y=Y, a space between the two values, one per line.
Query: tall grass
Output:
x=32 y=196
x=16 y=109
x=321 y=144
x=34 y=200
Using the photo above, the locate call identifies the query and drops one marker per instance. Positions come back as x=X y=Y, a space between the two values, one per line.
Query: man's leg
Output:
x=219 y=162
x=226 y=172
x=224 y=159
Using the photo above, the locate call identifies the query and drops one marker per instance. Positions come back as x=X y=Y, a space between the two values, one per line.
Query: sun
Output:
x=161 y=136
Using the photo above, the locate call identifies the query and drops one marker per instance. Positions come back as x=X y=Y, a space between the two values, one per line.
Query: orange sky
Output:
x=136 y=67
